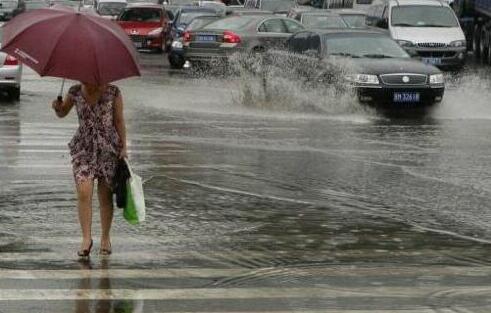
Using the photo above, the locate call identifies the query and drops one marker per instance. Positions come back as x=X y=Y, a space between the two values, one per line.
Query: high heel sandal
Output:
x=86 y=252
x=105 y=251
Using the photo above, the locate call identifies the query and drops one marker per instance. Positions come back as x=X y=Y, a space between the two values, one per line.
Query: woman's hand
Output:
x=62 y=107
x=57 y=105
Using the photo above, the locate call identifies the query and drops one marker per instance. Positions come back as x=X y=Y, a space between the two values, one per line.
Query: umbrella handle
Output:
x=60 y=95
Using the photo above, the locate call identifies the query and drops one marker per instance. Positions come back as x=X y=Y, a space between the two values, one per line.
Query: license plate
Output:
x=138 y=44
x=406 y=97
x=205 y=38
x=432 y=61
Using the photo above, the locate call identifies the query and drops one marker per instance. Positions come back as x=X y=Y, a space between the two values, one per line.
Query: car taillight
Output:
x=230 y=37
x=186 y=36
x=10 y=60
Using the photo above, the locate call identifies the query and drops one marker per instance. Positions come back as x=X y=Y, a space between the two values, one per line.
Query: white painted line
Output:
x=327 y=292
x=121 y=273
x=334 y=271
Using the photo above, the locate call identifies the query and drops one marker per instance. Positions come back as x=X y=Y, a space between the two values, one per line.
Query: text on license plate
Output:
x=433 y=61
x=205 y=38
x=138 y=44
x=406 y=97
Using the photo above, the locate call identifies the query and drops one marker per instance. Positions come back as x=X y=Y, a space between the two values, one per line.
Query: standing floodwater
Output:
x=255 y=209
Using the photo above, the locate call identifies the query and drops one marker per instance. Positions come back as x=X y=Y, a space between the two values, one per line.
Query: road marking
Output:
x=334 y=271
x=326 y=292
x=121 y=273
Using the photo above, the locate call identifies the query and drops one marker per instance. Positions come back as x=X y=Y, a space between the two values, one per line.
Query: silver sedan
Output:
x=10 y=74
x=249 y=33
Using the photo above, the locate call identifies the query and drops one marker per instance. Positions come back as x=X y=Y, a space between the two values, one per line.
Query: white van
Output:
x=110 y=8
x=425 y=28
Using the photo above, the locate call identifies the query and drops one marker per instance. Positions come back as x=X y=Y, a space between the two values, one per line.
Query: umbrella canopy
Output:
x=63 y=42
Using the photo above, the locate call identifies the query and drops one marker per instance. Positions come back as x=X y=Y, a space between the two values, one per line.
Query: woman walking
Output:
x=95 y=149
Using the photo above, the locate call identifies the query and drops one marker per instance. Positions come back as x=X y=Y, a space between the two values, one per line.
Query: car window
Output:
x=423 y=16
x=292 y=27
x=277 y=5
x=314 y=43
x=363 y=46
x=355 y=20
x=298 y=43
x=273 y=26
x=141 y=15
x=323 y=21
x=231 y=23
x=111 y=8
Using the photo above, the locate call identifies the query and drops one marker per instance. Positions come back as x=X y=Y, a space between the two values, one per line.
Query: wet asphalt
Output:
x=299 y=202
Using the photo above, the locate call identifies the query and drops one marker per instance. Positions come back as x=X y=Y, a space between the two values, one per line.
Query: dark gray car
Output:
x=10 y=8
x=249 y=33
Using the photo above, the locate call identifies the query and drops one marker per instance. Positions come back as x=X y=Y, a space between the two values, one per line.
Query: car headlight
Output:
x=436 y=79
x=405 y=43
x=177 y=44
x=363 y=79
x=458 y=43
x=156 y=32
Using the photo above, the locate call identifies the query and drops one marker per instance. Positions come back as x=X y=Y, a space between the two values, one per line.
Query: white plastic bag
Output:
x=134 y=211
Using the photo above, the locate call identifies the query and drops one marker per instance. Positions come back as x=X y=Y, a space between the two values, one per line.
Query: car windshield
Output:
x=31 y=5
x=277 y=5
x=363 y=46
x=323 y=21
x=355 y=20
x=186 y=17
x=199 y=22
x=231 y=23
x=423 y=16
x=141 y=15
x=8 y=4
x=111 y=8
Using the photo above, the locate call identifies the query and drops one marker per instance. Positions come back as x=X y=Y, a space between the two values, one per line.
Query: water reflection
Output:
x=101 y=285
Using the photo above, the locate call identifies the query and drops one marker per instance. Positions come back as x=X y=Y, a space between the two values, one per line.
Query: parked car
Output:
x=171 y=10
x=353 y=18
x=183 y=17
x=111 y=9
x=245 y=33
x=146 y=24
x=176 y=51
x=382 y=72
x=10 y=74
x=320 y=19
x=36 y=4
x=245 y=11
x=275 y=6
x=11 y=8
x=425 y=28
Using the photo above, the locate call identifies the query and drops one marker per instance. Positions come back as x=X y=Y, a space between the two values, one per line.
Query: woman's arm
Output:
x=120 y=124
x=63 y=107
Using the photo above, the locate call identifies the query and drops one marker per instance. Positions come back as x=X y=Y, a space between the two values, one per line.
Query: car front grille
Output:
x=137 y=38
x=431 y=45
x=403 y=79
x=437 y=54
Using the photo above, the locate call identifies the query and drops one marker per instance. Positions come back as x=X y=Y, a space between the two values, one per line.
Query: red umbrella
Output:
x=63 y=42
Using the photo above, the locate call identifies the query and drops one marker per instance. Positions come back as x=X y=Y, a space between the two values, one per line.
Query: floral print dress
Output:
x=96 y=145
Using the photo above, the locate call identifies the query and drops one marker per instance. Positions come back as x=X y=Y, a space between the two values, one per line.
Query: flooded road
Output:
x=320 y=207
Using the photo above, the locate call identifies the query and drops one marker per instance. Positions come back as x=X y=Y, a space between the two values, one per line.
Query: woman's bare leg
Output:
x=106 y=207
x=84 y=193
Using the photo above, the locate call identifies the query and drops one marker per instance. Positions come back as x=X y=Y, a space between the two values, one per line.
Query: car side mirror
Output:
x=383 y=23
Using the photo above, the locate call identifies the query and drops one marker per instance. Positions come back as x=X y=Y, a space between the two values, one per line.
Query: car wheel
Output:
x=476 y=41
x=176 y=62
x=14 y=94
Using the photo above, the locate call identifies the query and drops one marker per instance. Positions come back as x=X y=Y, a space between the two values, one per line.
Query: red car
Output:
x=146 y=24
